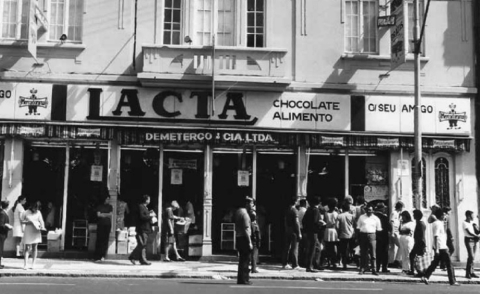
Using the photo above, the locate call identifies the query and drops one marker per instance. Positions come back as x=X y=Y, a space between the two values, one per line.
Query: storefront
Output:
x=270 y=146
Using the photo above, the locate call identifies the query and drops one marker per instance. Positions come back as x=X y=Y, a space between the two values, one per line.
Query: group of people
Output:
x=26 y=229
x=333 y=235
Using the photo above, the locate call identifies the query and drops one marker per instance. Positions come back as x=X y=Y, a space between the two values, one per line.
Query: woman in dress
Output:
x=407 y=228
x=331 y=235
x=18 y=227
x=33 y=226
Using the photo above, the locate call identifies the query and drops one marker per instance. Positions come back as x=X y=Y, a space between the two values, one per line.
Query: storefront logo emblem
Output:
x=452 y=117
x=33 y=102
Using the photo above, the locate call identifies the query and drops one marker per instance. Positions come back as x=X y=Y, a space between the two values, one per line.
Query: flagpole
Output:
x=213 y=75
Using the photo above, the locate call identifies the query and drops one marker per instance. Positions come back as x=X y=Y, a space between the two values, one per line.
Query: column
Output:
x=13 y=170
x=302 y=172
x=207 y=202
x=113 y=168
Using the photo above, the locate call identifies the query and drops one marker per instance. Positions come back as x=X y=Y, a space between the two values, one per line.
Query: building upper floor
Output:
x=253 y=44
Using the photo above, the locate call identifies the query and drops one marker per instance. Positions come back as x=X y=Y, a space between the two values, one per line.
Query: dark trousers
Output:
x=140 y=251
x=382 y=253
x=244 y=252
x=290 y=248
x=101 y=245
x=331 y=252
x=311 y=244
x=2 y=242
x=344 y=249
x=445 y=257
x=418 y=249
x=368 y=246
x=471 y=249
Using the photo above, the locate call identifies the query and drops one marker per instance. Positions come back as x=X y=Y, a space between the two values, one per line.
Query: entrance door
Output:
x=43 y=182
x=226 y=192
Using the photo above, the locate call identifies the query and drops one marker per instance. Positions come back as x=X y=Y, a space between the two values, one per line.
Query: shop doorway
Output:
x=326 y=177
x=43 y=182
x=87 y=185
x=227 y=191
x=276 y=184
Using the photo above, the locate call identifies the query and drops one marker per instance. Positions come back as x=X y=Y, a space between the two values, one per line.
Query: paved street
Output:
x=40 y=285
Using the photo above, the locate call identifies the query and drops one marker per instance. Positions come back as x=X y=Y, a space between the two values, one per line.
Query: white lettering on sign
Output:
x=209 y=136
x=337 y=141
x=444 y=143
x=383 y=142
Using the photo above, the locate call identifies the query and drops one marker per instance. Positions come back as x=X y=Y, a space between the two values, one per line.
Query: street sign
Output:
x=398 y=34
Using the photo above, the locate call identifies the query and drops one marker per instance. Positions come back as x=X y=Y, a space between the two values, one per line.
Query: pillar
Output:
x=207 y=202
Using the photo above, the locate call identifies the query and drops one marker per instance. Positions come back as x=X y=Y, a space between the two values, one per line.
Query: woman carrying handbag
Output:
x=32 y=236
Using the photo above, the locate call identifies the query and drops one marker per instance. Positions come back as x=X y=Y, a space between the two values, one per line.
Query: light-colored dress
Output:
x=331 y=234
x=32 y=234
x=18 y=226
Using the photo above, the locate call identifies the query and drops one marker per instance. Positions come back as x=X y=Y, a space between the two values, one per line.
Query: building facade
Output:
x=207 y=101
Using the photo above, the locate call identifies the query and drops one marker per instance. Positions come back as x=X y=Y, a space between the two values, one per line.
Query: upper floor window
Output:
x=200 y=20
x=64 y=17
x=361 y=26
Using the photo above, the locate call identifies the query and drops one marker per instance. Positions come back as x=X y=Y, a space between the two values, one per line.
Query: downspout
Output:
x=135 y=36
x=476 y=37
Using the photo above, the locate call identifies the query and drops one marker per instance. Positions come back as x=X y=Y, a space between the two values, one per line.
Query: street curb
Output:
x=230 y=277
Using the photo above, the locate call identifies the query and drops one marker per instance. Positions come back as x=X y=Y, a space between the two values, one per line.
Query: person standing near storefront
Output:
x=292 y=236
x=441 y=250
x=143 y=228
x=419 y=245
x=368 y=225
x=256 y=241
x=170 y=236
x=382 y=237
x=302 y=208
x=394 y=254
x=18 y=225
x=4 y=228
x=346 y=231
x=312 y=224
x=33 y=226
x=104 y=226
x=243 y=242
x=471 y=240
x=407 y=228
x=330 y=236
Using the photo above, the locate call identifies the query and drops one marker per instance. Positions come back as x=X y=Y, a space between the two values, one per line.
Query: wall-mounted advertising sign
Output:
x=25 y=101
x=306 y=111
x=398 y=38
x=438 y=115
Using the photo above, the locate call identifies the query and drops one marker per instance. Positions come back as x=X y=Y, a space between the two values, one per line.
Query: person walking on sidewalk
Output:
x=169 y=235
x=18 y=225
x=143 y=228
x=471 y=239
x=368 y=226
x=419 y=245
x=441 y=250
x=292 y=236
x=243 y=242
x=4 y=228
x=104 y=227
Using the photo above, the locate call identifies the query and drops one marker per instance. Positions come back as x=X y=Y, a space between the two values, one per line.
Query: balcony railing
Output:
x=229 y=61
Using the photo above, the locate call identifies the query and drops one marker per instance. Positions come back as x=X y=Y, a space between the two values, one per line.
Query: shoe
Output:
x=97 y=260
x=244 y=283
x=474 y=276
x=254 y=271
x=145 y=263
x=132 y=261
x=425 y=280
x=468 y=277
x=455 y=284
x=167 y=260
x=345 y=267
x=310 y=270
x=287 y=267
x=374 y=273
x=385 y=271
x=180 y=259
x=296 y=268
x=410 y=273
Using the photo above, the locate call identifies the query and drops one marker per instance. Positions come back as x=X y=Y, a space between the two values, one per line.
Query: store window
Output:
x=442 y=182
x=361 y=26
x=64 y=17
x=213 y=17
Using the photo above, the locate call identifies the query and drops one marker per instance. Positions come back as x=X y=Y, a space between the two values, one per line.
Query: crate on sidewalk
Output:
x=122 y=247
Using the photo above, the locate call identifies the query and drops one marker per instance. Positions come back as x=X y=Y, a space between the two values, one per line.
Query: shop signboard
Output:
x=176 y=176
x=96 y=173
x=243 y=178
x=284 y=111
x=395 y=114
x=24 y=101
x=203 y=136
x=398 y=38
x=182 y=163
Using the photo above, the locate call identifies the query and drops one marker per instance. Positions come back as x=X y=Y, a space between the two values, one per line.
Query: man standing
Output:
x=292 y=236
x=244 y=245
x=302 y=244
x=395 y=255
x=312 y=224
x=368 y=225
x=143 y=228
x=346 y=231
x=382 y=237
x=441 y=250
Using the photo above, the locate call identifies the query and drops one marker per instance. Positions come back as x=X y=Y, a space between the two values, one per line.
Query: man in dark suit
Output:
x=4 y=227
x=144 y=227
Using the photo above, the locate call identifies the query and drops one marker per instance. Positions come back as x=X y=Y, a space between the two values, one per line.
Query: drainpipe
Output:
x=135 y=36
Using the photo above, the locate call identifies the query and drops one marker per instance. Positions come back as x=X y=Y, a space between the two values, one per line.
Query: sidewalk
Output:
x=221 y=270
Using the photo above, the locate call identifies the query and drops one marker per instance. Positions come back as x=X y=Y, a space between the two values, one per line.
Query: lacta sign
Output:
x=128 y=104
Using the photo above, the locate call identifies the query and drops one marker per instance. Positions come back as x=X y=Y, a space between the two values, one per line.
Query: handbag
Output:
x=422 y=262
